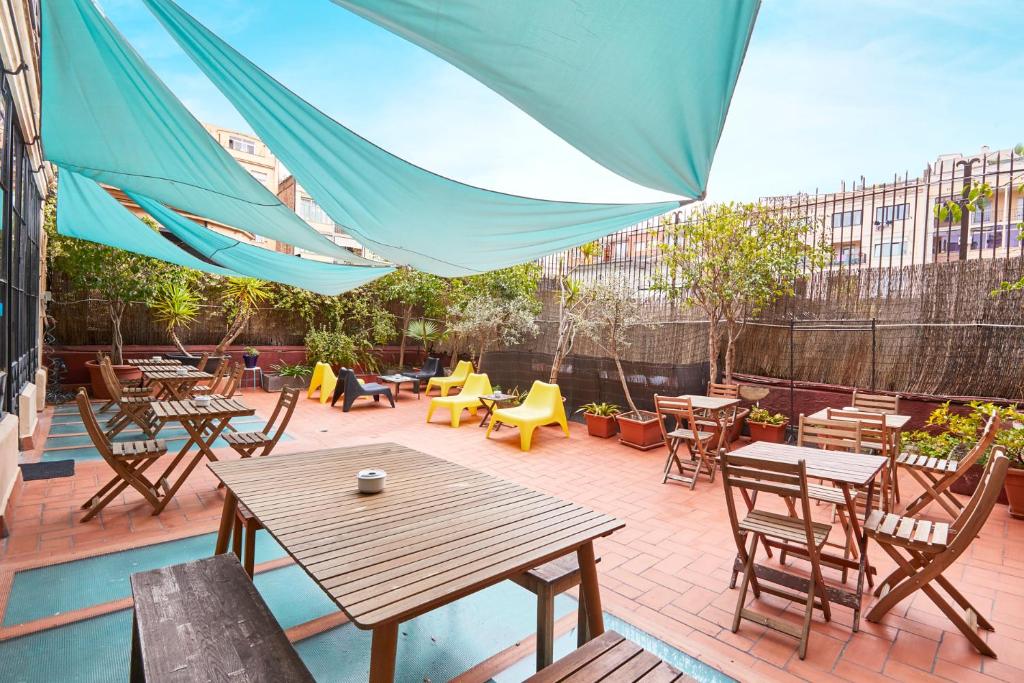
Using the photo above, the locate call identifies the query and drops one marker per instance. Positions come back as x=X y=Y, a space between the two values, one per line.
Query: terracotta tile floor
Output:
x=667 y=572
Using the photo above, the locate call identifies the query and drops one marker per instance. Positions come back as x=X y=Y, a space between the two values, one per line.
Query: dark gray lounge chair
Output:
x=350 y=387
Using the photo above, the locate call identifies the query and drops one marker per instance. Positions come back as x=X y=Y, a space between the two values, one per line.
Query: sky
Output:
x=829 y=91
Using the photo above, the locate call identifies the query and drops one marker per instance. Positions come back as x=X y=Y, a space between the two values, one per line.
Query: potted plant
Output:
x=766 y=426
x=250 y=356
x=286 y=375
x=600 y=418
x=615 y=309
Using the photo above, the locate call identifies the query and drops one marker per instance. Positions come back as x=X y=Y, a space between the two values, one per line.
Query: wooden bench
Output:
x=547 y=581
x=204 y=621
x=609 y=658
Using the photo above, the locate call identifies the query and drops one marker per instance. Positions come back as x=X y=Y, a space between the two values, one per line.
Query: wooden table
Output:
x=173 y=386
x=846 y=471
x=711 y=403
x=203 y=424
x=437 y=533
x=153 y=361
x=894 y=422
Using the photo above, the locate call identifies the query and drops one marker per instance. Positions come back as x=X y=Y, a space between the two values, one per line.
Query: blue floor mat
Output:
x=292 y=596
x=92 y=651
x=73 y=585
x=78 y=427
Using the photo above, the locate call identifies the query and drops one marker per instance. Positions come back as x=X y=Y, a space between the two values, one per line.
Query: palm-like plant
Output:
x=241 y=298
x=427 y=332
x=175 y=306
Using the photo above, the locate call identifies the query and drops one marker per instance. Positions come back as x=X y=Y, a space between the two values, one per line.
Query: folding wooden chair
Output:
x=132 y=387
x=832 y=435
x=735 y=422
x=923 y=550
x=798 y=533
x=876 y=437
x=203 y=360
x=691 y=432
x=218 y=378
x=133 y=405
x=876 y=403
x=937 y=475
x=230 y=382
x=128 y=459
x=247 y=443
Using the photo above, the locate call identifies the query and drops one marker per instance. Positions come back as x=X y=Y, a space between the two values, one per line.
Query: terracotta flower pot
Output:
x=600 y=425
x=125 y=373
x=765 y=432
x=1014 y=487
x=640 y=430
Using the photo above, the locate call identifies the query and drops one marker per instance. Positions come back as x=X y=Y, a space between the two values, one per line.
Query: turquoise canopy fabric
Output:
x=325 y=278
x=86 y=211
x=107 y=116
x=640 y=86
x=400 y=211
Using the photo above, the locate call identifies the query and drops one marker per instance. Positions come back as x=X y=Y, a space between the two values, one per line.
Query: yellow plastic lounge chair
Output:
x=467 y=399
x=323 y=379
x=543 y=406
x=456 y=379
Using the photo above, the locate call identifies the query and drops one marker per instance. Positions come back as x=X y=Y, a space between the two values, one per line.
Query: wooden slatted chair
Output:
x=833 y=435
x=877 y=437
x=876 y=403
x=796 y=532
x=129 y=388
x=610 y=658
x=128 y=459
x=735 y=421
x=923 y=550
x=203 y=360
x=230 y=382
x=247 y=443
x=937 y=475
x=214 y=384
x=696 y=435
x=133 y=407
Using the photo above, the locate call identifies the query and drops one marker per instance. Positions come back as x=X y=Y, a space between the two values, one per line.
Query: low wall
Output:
x=9 y=470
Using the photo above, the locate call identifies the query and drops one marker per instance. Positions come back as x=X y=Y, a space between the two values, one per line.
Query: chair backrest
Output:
x=282 y=415
x=724 y=390
x=679 y=408
x=970 y=520
x=110 y=379
x=92 y=425
x=873 y=428
x=544 y=396
x=352 y=383
x=100 y=356
x=462 y=370
x=876 y=403
x=830 y=435
x=231 y=381
x=988 y=436
x=476 y=385
x=203 y=360
x=431 y=365
x=754 y=475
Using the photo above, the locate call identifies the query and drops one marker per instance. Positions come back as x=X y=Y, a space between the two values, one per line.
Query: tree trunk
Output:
x=116 y=310
x=480 y=360
x=233 y=331
x=714 y=343
x=625 y=386
x=177 y=341
x=406 y=317
x=730 y=351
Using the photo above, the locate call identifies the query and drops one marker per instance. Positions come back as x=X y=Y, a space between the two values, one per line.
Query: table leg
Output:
x=383 y=651
x=195 y=430
x=862 y=543
x=590 y=589
x=227 y=518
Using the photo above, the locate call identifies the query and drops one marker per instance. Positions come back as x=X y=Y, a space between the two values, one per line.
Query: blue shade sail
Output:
x=86 y=211
x=107 y=116
x=640 y=86
x=400 y=211
x=325 y=278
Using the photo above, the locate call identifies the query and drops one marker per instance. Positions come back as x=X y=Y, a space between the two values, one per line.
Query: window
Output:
x=888 y=214
x=987 y=238
x=887 y=250
x=845 y=219
x=241 y=144
x=311 y=212
x=848 y=256
x=947 y=241
x=982 y=216
x=1018 y=215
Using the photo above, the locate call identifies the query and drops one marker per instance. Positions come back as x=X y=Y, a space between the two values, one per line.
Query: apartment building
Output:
x=250 y=152
x=298 y=200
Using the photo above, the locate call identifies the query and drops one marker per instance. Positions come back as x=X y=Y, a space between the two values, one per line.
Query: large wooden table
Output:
x=154 y=361
x=203 y=424
x=173 y=386
x=437 y=533
x=846 y=471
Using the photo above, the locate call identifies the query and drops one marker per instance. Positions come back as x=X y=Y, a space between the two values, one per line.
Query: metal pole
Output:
x=874 y=330
x=792 y=376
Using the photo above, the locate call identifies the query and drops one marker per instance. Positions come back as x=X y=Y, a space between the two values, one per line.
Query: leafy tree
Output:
x=574 y=303
x=175 y=306
x=240 y=298
x=411 y=289
x=731 y=261
x=488 y=322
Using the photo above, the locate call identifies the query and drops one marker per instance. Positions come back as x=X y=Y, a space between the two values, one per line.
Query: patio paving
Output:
x=666 y=573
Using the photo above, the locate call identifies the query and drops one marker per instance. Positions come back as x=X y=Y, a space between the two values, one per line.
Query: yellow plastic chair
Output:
x=543 y=406
x=323 y=379
x=456 y=379
x=467 y=399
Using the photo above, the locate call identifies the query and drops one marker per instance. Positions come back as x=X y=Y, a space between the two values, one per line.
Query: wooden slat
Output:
x=841 y=468
x=574 y=661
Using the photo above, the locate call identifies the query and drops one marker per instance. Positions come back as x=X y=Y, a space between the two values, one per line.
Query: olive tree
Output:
x=487 y=322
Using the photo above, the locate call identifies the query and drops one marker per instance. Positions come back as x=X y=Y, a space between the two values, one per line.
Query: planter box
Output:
x=212 y=363
x=642 y=432
x=273 y=382
x=765 y=432
x=125 y=373
x=1014 y=490
x=600 y=426
x=966 y=484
